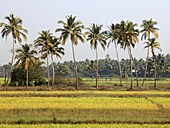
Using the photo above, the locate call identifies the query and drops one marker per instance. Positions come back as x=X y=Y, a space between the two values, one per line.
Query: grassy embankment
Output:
x=87 y=126
x=88 y=84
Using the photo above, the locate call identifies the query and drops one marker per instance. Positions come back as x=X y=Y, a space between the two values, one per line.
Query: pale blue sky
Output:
x=40 y=15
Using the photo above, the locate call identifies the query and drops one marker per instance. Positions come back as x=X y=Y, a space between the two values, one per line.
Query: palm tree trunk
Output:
x=131 y=84
x=146 y=66
x=118 y=63
x=96 y=68
x=13 y=48
x=53 y=69
x=48 y=85
x=135 y=72
x=131 y=68
x=5 y=75
x=131 y=58
x=75 y=66
x=92 y=75
x=27 y=79
x=154 y=58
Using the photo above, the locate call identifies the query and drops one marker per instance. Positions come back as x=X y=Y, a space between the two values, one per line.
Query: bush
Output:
x=18 y=76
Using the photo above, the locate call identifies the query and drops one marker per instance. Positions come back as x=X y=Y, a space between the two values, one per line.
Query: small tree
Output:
x=26 y=56
x=36 y=75
x=91 y=65
x=153 y=44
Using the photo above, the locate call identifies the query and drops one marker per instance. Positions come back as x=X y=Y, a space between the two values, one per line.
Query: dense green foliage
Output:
x=108 y=68
x=36 y=77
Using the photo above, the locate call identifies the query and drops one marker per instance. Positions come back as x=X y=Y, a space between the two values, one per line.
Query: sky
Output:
x=38 y=15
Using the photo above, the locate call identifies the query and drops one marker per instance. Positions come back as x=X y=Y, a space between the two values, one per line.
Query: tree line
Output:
x=126 y=34
x=108 y=69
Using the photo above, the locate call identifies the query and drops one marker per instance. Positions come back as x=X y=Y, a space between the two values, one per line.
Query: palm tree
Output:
x=91 y=66
x=96 y=36
x=128 y=37
x=57 y=51
x=153 y=44
x=161 y=65
x=72 y=29
x=44 y=41
x=148 y=28
x=26 y=56
x=14 y=27
x=113 y=34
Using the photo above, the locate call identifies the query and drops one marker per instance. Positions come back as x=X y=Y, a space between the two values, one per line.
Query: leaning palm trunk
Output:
x=118 y=63
x=48 y=85
x=154 y=58
x=27 y=79
x=131 y=57
x=53 y=70
x=12 y=61
x=146 y=66
x=75 y=66
x=96 y=68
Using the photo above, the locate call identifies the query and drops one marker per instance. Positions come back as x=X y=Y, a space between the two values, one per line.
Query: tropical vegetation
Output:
x=126 y=34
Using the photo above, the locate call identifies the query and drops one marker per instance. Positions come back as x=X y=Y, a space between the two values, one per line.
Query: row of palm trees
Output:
x=124 y=34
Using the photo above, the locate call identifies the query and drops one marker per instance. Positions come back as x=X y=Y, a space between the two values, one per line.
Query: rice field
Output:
x=78 y=103
x=1 y=81
x=84 y=109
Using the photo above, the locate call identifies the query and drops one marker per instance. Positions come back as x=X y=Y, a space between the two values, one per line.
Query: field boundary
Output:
x=83 y=122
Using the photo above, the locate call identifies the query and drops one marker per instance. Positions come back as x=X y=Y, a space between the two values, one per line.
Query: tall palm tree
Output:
x=128 y=37
x=153 y=44
x=148 y=28
x=26 y=56
x=73 y=29
x=113 y=34
x=14 y=27
x=44 y=41
x=96 y=36
x=57 y=51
